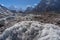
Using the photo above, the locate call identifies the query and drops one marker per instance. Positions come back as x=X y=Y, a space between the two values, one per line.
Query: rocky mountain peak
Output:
x=48 y=5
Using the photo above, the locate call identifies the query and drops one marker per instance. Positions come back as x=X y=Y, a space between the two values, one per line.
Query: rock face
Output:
x=31 y=30
x=48 y=5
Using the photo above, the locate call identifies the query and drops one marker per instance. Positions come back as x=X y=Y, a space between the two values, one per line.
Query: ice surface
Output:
x=31 y=30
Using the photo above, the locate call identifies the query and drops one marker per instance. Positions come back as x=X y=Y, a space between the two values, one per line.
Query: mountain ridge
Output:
x=48 y=5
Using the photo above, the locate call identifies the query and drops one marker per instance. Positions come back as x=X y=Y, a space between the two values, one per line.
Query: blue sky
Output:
x=19 y=3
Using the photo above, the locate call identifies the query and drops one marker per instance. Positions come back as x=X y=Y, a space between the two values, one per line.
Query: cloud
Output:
x=35 y=4
x=28 y=6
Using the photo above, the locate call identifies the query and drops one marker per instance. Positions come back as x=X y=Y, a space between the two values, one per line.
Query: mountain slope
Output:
x=48 y=5
x=5 y=11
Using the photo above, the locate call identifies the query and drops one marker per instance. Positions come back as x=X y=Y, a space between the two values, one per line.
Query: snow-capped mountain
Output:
x=4 y=10
x=48 y=5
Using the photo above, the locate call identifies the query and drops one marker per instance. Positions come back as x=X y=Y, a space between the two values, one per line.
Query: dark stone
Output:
x=58 y=22
x=1 y=25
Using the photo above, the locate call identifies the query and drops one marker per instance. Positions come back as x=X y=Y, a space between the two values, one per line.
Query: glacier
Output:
x=31 y=30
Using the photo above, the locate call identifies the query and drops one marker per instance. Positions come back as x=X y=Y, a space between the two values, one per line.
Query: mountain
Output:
x=12 y=7
x=48 y=5
x=5 y=11
x=28 y=9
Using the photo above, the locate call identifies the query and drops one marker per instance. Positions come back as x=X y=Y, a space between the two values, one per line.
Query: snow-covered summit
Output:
x=31 y=30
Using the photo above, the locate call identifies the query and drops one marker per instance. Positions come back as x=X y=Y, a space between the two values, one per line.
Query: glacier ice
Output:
x=31 y=30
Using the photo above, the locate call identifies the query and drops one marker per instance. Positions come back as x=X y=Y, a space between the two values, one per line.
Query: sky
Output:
x=19 y=3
